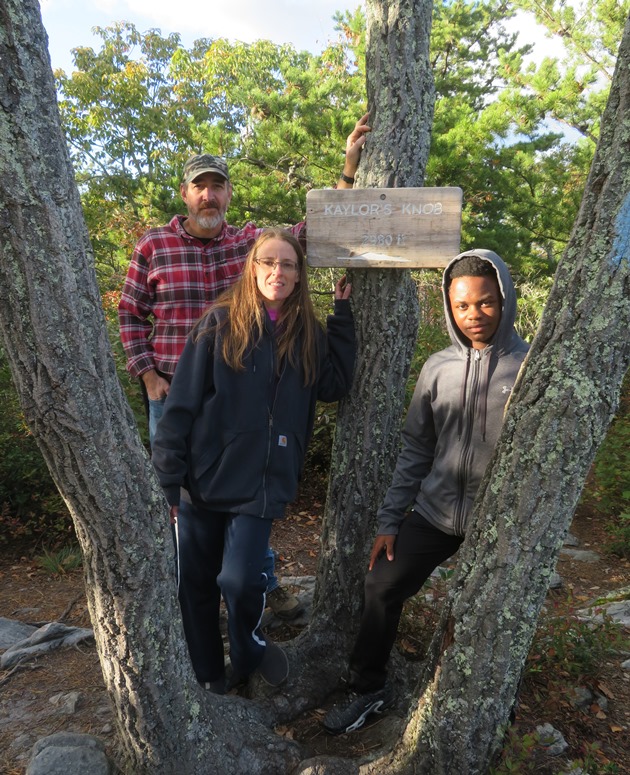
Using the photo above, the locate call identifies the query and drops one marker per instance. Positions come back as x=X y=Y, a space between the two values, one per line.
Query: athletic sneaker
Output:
x=284 y=605
x=351 y=715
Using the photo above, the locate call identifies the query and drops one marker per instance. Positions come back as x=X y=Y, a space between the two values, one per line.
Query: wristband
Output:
x=346 y=178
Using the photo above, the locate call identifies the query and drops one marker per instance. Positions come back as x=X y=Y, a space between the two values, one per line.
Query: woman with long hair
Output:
x=232 y=441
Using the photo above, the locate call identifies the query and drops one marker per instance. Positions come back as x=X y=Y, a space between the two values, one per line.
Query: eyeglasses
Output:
x=269 y=264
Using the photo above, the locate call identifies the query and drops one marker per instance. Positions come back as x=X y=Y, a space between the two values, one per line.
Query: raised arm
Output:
x=354 y=146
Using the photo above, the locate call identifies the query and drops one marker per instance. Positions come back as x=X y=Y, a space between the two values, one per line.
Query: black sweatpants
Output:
x=418 y=550
x=222 y=554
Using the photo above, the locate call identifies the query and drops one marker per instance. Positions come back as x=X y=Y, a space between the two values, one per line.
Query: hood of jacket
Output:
x=503 y=339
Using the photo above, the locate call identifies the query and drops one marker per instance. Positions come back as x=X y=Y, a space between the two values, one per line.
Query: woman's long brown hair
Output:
x=243 y=326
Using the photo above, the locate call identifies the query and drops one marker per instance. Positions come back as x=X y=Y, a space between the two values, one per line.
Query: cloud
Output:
x=283 y=21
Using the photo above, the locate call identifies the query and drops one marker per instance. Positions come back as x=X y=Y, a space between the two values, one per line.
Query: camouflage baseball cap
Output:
x=201 y=163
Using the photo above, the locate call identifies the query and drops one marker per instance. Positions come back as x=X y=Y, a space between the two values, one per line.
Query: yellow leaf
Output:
x=605 y=690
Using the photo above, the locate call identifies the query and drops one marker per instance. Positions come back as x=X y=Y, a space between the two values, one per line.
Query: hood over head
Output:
x=505 y=331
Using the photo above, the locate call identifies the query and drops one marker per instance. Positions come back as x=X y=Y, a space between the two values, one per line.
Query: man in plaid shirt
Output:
x=177 y=270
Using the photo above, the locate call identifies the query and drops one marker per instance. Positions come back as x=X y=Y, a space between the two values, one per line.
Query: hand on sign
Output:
x=343 y=289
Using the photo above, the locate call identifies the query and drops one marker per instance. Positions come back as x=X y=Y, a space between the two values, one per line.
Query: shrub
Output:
x=62 y=561
x=29 y=501
x=570 y=647
x=608 y=489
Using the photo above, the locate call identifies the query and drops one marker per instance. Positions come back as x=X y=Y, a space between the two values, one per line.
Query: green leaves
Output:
x=134 y=110
x=522 y=178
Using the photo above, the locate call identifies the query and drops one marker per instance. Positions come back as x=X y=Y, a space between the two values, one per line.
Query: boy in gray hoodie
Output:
x=450 y=432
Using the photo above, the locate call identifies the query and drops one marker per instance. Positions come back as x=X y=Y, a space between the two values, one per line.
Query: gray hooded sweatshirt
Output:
x=454 y=419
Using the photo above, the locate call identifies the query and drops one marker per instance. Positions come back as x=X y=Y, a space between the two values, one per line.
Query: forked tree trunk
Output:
x=55 y=340
x=559 y=412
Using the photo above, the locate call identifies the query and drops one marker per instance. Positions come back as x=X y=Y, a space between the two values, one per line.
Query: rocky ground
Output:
x=63 y=690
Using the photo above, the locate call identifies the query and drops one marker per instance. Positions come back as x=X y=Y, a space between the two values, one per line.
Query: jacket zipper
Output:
x=464 y=458
x=270 y=412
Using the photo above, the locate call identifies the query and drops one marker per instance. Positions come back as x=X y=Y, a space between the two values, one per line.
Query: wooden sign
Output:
x=383 y=227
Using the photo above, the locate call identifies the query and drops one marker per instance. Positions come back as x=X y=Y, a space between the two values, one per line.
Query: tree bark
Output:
x=560 y=409
x=385 y=304
x=54 y=335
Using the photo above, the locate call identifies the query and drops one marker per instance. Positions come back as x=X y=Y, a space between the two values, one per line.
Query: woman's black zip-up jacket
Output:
x=235 y=440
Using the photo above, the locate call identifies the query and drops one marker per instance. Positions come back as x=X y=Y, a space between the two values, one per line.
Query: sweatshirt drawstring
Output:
x=483 y=397
x=462 y=397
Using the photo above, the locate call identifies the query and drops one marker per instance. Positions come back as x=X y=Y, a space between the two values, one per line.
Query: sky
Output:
x=306 y=24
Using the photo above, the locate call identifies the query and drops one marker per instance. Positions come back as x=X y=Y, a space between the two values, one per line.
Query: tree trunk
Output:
x=54 y=335
x=560 y=410
x=385 y=304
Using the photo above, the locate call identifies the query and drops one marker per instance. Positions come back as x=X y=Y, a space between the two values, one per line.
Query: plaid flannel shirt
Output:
x=172 y=279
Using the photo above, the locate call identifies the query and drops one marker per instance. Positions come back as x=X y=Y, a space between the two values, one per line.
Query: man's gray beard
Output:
x=207 y=221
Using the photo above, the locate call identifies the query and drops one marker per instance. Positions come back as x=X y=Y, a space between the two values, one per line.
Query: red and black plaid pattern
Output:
x=172 y=279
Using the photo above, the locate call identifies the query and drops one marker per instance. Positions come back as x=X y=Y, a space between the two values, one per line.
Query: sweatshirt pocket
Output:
x=286 y=458
x=229 y=469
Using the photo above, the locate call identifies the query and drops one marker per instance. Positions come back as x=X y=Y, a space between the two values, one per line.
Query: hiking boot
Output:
x=351 y=714
x=283 y=604
x=216 y=687
x=274 y=668
x=234 y=681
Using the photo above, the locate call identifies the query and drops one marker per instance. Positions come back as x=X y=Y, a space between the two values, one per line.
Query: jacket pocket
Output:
x=229 y=469
x=286 y=458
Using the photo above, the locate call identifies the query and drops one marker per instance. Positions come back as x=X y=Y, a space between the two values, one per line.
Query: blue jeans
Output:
x=156 y=410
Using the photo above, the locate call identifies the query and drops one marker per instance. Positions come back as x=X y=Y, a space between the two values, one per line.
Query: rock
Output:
x=616 y=595
x=27 y=612
x=579 y=555
x=615 y=604
x=626 y=665
x=571 y=540
x=581 y=697
x=556 y=581
x=67 y=703
x=12 y=631
x=67 y=752
x=618 y=612
x=551 y=740
x=51 y=636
